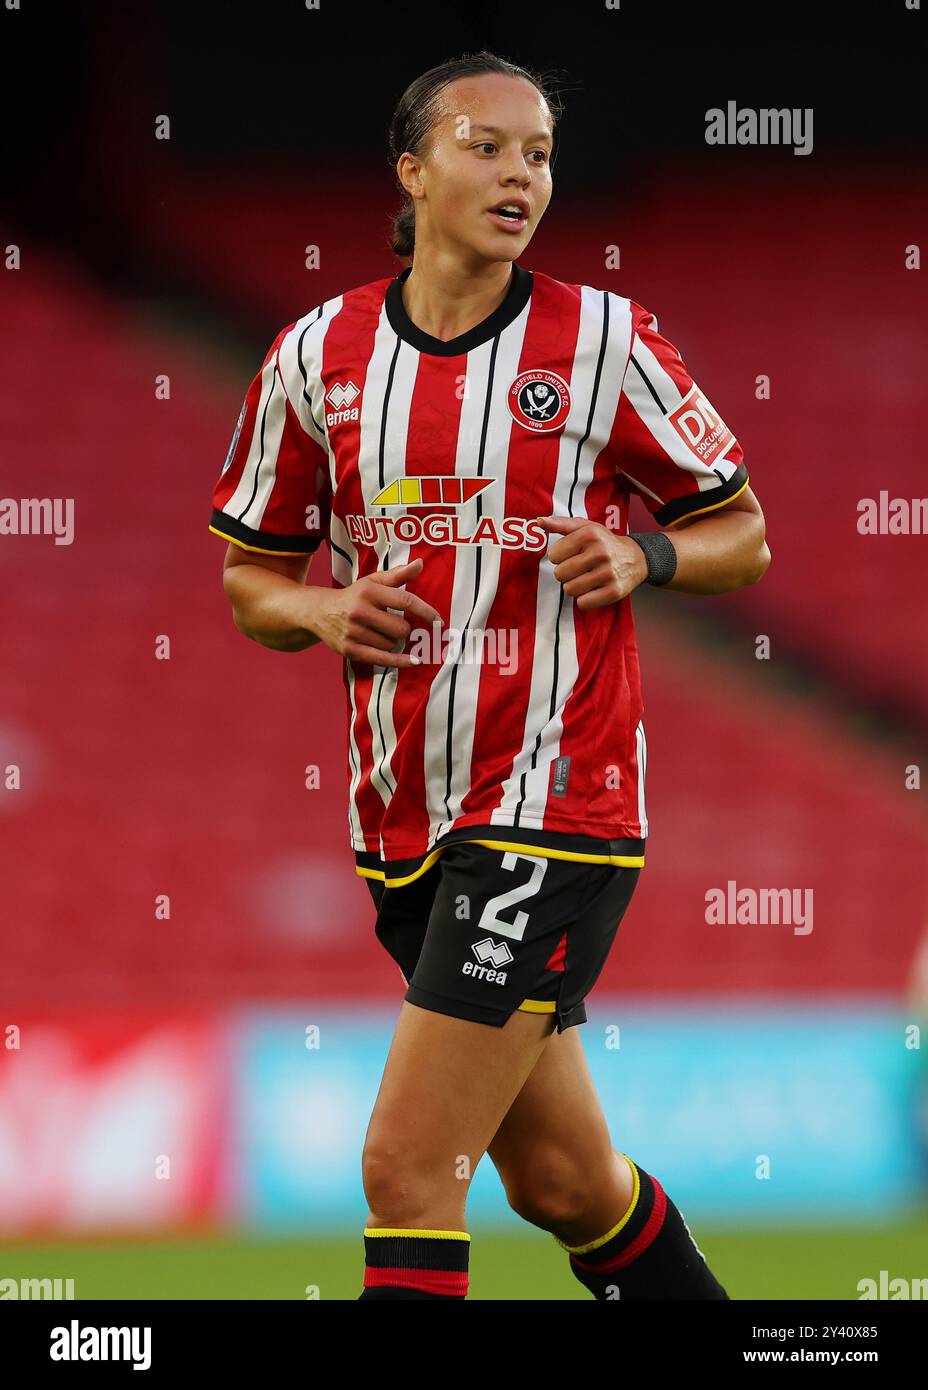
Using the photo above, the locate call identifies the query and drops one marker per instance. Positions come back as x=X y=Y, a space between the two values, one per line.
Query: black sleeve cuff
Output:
x=706 y=501
x=264 y=541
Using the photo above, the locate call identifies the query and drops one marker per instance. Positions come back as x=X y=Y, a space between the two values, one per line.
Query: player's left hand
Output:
x=596 y=566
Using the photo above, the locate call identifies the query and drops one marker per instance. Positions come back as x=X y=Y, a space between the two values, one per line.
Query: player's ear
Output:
x=408 y=173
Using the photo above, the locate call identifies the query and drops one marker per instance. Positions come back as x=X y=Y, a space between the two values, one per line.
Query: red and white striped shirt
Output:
x=523 y=723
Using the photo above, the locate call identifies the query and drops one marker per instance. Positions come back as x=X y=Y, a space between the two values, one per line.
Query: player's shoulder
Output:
x=313 y=323
x=596 y=299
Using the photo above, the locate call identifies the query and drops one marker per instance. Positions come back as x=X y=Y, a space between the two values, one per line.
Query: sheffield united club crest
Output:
x=539 y=400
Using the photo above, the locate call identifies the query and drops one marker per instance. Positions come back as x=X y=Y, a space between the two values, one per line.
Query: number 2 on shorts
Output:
x=489 y=921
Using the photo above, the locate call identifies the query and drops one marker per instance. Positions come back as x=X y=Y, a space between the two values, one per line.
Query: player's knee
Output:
x=552 y=1192
x=397 y=1188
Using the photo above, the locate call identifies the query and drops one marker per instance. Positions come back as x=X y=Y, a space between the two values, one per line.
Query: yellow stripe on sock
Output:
x=595 y=1244
x=414 y=1231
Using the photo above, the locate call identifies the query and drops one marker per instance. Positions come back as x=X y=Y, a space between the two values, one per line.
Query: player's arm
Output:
x=272 y=503
x=721 y=549
x=715 y=550
x=676 y=452
x=272 y=604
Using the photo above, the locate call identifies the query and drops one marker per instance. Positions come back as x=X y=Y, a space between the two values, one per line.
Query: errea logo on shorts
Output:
x=497 y=953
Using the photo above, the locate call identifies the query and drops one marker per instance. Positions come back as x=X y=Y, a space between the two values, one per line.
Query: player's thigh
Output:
x=554 y=1141
x=402 y=917
x=447 y=1084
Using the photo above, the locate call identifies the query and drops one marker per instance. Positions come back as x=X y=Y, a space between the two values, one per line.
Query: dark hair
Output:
x=418 y=109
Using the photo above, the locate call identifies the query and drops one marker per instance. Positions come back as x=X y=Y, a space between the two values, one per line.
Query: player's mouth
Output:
x=511 y=214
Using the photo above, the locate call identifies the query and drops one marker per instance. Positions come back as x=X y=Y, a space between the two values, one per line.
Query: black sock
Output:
x=649 y=1254
x=415 y=1264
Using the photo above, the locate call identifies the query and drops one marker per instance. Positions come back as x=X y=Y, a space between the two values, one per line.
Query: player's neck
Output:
x=445 y=299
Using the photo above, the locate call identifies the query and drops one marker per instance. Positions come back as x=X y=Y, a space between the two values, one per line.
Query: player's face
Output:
x=491 y=147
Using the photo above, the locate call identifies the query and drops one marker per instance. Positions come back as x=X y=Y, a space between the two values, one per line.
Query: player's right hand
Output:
x=357 y=622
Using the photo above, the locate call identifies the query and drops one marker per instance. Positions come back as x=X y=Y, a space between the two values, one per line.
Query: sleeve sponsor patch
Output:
x=701 y=428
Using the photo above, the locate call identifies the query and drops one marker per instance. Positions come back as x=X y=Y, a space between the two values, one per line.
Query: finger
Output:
x=374 y=657
x=567 y=546
x=575 y=566
x=418 y=608
x=399 y=573
x=562 y=523
x=586 y=583
x=372 y=635
x=406 y=602
x=382 y=620
x=596 y=598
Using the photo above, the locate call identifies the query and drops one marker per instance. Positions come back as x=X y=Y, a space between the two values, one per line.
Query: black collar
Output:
x=520 y=287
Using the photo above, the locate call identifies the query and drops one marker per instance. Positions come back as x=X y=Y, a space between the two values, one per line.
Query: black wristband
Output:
x=660 y=554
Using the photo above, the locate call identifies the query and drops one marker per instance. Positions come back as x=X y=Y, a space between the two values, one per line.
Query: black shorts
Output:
x=484 y=932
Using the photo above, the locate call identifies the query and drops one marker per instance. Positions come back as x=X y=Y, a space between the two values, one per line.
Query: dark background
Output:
x=251 y=86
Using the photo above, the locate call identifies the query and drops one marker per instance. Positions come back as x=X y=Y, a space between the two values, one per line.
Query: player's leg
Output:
x=447 y=1084
x=554 y=1153
x=625 y=1237
x=462 y=1051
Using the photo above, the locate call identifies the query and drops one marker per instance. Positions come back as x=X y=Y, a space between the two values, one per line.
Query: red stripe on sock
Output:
x=641 y=1242
x=446 y=1281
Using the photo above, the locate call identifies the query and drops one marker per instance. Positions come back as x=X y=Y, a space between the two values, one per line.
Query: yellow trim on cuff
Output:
x=621 y=861
x=537 y=1006
x=713 y=507
x=595 y=1244
x=414 y=1231
x=307 y=554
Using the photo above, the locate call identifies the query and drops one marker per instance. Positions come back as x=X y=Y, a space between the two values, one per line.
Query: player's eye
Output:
x=490 y=145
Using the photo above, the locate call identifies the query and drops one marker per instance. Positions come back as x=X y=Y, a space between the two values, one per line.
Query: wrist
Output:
x=312 y=612
x=641 y=567
x=659 y=553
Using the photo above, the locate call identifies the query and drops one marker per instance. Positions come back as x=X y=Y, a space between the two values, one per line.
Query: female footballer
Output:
x=466 y=437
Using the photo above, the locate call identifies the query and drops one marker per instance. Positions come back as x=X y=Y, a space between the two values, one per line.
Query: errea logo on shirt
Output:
x=343 y=399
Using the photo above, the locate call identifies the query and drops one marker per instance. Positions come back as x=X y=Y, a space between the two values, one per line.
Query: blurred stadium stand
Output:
x=145 y=259
x=185 y=776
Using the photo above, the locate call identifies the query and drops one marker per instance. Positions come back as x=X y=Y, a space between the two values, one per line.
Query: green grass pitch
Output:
x=792 y=1262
